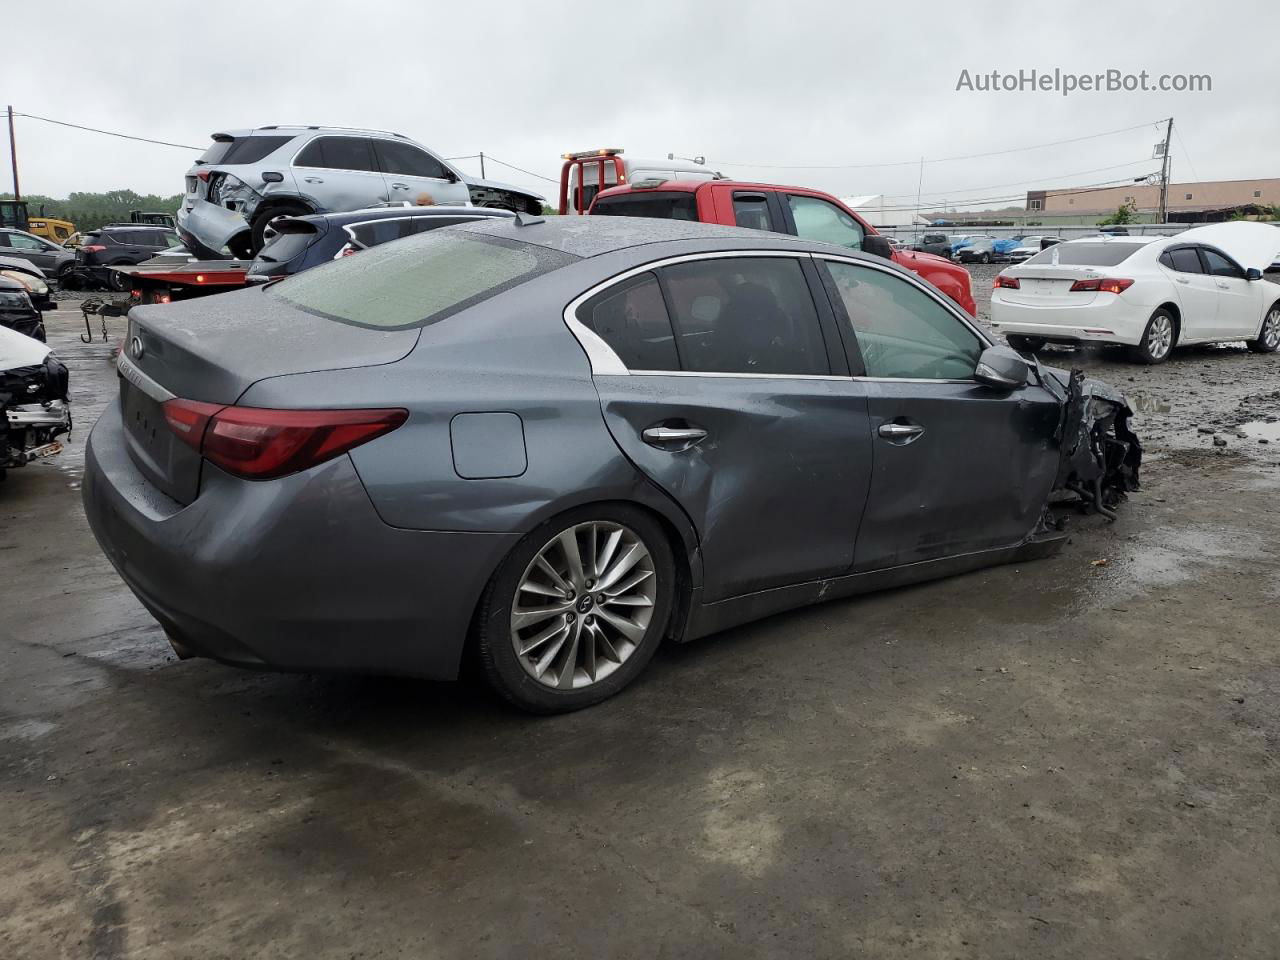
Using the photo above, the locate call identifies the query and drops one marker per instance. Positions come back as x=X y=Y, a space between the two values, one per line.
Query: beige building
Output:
x=1188 y=202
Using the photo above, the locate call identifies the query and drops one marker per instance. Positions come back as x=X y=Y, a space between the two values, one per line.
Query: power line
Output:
x=109 y=133
x=912 y=163
x=1073 y=191
x=1018 y=183
x=489 y=156
x=1186 y=153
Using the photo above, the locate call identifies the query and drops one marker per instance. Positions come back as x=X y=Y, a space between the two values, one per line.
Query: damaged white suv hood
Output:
x=19 y=350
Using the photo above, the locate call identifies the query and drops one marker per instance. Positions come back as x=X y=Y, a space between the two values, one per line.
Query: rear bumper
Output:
x=291 y=574
x=1104 y=320
x=207 y=228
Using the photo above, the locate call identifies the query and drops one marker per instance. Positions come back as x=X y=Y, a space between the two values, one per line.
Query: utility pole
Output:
x=1164 y=173
x=481 y=164
x=13 y=156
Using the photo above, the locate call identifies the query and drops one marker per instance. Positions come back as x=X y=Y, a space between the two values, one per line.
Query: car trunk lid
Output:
x=1049 y=285
x=212 y=350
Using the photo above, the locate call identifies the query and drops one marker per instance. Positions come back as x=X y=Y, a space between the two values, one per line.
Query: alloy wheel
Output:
x=583 y=605
x=1160 y=337
x=1271 y=329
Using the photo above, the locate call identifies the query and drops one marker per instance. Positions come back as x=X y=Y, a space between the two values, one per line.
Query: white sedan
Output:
x=1150 y=293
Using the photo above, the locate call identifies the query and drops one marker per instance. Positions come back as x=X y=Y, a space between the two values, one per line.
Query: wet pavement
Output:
x=1077 y=757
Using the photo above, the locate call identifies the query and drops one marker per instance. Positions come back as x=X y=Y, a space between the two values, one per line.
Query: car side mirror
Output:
x=1002 y=368
x=1253 y=273
x=877 y=246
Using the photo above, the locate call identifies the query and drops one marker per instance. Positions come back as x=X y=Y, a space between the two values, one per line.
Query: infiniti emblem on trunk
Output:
x=135 y=348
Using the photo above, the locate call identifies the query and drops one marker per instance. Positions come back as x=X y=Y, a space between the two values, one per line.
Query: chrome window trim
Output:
x=604 y=362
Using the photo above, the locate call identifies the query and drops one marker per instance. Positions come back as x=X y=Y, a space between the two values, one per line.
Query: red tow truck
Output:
x=709 y=198
x=168 y=279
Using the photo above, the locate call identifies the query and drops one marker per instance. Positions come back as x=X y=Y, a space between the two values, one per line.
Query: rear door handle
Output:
x=401 y=186
x=683 y=437
x=1182 y=279
x=313 y=179
x=1222 y=286
x=900 y=432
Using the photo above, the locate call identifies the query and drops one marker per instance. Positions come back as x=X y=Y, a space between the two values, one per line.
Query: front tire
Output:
x=985 y=258
x=1269 y=336
x=577 y=609
x=1158 y=339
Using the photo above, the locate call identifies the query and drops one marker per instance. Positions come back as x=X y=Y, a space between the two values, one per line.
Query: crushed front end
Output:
x=34 y=412
x=1101 y=455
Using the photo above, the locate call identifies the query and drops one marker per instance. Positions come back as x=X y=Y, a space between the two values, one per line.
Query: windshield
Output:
x=1084 y=254
x=418 y=280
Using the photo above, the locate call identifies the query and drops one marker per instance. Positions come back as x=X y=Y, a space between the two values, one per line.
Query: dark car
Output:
x=982 y=250
x=17 y=312
x=52 y=259
x=121 y=245
x=564 y=441
x=294 y=244
x=939 y=244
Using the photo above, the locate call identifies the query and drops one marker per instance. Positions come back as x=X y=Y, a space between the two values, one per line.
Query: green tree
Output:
x=88 y=211
x=1124 y=214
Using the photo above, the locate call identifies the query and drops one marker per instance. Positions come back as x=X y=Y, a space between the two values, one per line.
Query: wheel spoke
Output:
x=632 y=631
x=553 y=573
x=627 y=584
x=606 y=648
x=532 y=644
x=542 y=590
x=629 y=558
x=606 y=555
x=629 y=600
x=522 y=617
x=587 y=643
x=569 y=544
x=549 y=655
x=565 y=680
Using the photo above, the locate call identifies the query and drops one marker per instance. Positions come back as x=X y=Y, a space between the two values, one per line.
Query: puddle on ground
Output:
x=1142 y=403
x=1261 y=430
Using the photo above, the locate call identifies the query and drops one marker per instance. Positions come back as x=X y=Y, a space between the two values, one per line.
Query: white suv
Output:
x=249 y=177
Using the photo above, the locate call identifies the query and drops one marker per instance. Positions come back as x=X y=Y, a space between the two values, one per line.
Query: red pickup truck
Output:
x=798 y=211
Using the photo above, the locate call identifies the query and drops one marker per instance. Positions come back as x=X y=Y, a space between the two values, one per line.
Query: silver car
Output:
x=52 y=259
x=247 y=178
x=557 y=443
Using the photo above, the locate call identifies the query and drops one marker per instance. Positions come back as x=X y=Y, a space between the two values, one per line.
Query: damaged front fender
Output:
x=1100 y=455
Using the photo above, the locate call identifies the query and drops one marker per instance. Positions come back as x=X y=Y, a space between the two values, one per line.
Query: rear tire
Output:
x=264 y=217
x=985 y=258
x=1158 y=339
x=571 y=653
x=1269 y=335
x=118 y=281
x=1026 y=344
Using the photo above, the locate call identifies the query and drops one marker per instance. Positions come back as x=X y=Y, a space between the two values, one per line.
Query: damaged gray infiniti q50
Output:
x=555 y=444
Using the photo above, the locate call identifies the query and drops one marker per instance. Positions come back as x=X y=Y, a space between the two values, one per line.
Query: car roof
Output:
x=1114 y=239
x=594 y=236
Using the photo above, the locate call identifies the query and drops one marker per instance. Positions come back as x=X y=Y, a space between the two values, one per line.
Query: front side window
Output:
x=902 y=332
x=406 y=160
x=821 y=220
x=337 y=153
x=632 y=318
x=1219 y=265
x=745 y=315
x=21 y=241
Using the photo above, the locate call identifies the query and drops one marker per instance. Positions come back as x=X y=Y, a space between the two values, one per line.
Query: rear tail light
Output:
x=204 y=175
x=93 y=248
x=1010 y=283
x=261 y=444
x=1102 y=285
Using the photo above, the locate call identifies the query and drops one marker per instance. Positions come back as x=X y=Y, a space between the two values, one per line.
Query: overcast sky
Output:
x=796 y=84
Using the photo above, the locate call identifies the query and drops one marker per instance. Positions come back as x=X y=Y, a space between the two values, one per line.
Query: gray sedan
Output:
x=558 y=443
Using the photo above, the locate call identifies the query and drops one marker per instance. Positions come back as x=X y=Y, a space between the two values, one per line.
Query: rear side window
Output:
x=745 y=315
x=381 y=231
x=672 y=205
x=631 y=318
x=1079 y=253
x=243 y=149
x=751 y=210
x=290 y=240
x=1183 y=260
x=337 y=153
x=902 y=332
x=425 y=279
x=406 y=160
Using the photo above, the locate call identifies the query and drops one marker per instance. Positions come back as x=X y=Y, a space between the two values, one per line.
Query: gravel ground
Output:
x=1077 y=757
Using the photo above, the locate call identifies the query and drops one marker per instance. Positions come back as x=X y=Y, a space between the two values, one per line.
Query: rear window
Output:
x=421 y=280
x=242 y=149
x=660 y=206
x=290 y=240
x=1078 y=254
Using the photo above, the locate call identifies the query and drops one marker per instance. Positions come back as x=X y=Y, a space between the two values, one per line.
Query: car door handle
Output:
x=313 y=179
x=1222 y=286
x=900 y=432
x=661 y=436
x=401 y=186
x=1182 y=279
